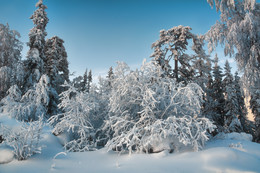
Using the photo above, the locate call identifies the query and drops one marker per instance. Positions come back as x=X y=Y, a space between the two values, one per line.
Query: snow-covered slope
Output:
x=233 y=153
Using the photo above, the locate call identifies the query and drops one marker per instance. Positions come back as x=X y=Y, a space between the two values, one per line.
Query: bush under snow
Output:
x=24 y=139
x=151 y=113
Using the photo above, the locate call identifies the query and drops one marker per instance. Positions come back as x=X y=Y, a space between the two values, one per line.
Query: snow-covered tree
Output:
x=218 y=98
x=30 y=106
x=34 y=65
x=200 y=62
x=232 y=107
x=172 y=45
x=110 y=75
x=242 y=111
x=149 y=113
x=10 y=59
x=56 y=63
x=89 y=80
x=239 y=31
x=80 y=118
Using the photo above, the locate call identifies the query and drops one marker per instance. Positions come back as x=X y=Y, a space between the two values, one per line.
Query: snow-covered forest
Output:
x=180 y=101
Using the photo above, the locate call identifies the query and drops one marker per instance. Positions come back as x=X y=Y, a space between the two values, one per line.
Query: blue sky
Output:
x=97 y=33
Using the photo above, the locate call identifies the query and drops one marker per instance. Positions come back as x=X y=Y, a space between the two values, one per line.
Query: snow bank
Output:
x=6 y=156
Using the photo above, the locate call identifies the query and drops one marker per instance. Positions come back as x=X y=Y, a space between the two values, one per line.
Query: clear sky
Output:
x=97 y=33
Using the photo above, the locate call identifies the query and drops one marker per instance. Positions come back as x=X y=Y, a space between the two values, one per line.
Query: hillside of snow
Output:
x=225 y=153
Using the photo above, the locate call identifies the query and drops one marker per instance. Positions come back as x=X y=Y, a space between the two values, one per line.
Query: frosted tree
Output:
x=218 y=97
x=82 y=115
x=242 y=111
x=34 y=65
x=200 y=62
x=30 y=106
x=172 y=45
x=24 y=139
x=149 y=113
x=110 y=75
x=231 y=108
x=89 y=80
x=56 y=63
x=239 y=31
x=85 y=80
x=10 y=59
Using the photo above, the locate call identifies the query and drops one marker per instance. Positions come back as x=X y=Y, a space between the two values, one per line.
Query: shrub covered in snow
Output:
x=23 y=139
x=80 y=118
x=147 y=110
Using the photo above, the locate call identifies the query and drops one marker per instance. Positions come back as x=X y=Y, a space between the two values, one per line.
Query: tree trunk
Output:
x=176 y=67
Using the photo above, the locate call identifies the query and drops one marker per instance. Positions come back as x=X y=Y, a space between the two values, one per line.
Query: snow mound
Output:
x=234 y=136
x=6 y=156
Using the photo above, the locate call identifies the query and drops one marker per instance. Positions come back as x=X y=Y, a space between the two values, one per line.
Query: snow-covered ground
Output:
x=225 y=153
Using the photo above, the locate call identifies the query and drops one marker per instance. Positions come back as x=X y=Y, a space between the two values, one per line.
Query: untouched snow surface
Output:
x=224 y=153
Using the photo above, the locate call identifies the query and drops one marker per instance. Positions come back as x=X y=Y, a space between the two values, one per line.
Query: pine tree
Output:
x=110 y=76
x=232 y=107
x=218 y=97
x=171 y=46
x=201 y=63
x=85 y=80
x=89 y=80
x=34 y=65
x=56 y=63
x=10 y=59
x=242 y=111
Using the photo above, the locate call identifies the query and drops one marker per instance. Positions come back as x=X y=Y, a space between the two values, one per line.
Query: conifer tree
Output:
x=56 y=63
x=218 y=97
x=10 y=59
x=110 y=76
x=231 y=109
x=34 y=65
x=89 y=80
x=85 y=80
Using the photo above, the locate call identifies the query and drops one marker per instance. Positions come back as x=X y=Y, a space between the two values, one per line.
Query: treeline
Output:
x=174 y=102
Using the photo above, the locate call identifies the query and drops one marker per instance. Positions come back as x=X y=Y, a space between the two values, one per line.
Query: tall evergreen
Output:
x=232 y=108
x=218 y=97
x=34 y=65
x=10 y=59
x=89 y=80
x=56 y=63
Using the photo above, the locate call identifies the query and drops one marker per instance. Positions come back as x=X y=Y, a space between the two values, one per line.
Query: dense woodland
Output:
x=176 y=101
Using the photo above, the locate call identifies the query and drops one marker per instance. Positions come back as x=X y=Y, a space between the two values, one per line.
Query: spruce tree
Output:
x=218 y=97
x=110 y=76
x=11 y=72
x=56 y=63
x=242 y=111
x=85 y=80
x=231 y=117
x=89 y=80
x=34 y=65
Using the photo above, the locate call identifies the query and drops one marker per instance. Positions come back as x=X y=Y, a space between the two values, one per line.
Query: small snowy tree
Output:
x=80 y=118
x=147 y=110
x=23 y=139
